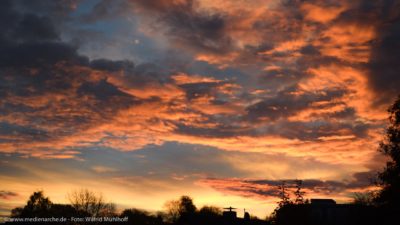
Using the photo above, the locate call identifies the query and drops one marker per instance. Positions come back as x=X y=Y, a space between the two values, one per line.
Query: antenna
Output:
x=230 y=208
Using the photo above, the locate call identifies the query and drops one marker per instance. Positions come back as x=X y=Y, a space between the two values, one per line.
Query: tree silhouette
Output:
x=389 y=178
x=284 y=196
x=210 y=211
x=90 y=203
x=172 y=209
x=85 y=203
x=186 y=205
x=141 y=217
x=210 y=215
x=299 y=193
x=180 y=210
x=364 y=198
x=37 y=205
x=40 y=206
x=290 y=212
x=279 y=211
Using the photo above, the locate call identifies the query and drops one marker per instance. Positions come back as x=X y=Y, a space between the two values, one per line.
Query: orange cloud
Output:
x=348 y=42
x=320 y=13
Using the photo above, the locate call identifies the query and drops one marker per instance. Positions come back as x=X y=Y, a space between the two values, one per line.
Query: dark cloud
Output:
x=112 y=66
x=221 y=130
x=190 y=27
x=32 y=40
x=384 y=75
x=164 y=5
x=34 y=28
x=309 y=50
x=35 y=67
x=314 y=130
x=281 y=78
x=8 y=131
x=288 y=102
x=314 y=185
x=7 y=194
x=103 y=91
x=363 y=179
x=38 y=53
x=57 y=10
x=133 y=75
x=274 y=112
x=204 y=31
x=270 y=188
x=49 y=91
x=201 y=89
x=230 y=126
x=346 y=113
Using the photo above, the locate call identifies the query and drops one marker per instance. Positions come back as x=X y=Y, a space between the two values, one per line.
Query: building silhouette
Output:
x=326 y=212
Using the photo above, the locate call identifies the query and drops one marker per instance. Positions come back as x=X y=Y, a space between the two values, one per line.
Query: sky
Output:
x=221 y=100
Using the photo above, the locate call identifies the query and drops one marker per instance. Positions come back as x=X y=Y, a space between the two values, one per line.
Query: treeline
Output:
x=88 y=205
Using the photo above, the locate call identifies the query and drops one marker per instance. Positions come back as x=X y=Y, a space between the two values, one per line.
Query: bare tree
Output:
x=172 y=207
x=91 y=203
x=364 y=198
x=285 y=199
x=299 y=193
x=180 y=209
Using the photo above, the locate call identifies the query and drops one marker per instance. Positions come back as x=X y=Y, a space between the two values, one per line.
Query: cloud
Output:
x=288 y=102
x=43 y=83
x=34 y=28
x=7 y=194
x=190 y=27
x=103 y=169
x=283 y=77
x=322 y=14
x=105 y=9
x=54 y=9
x=269 y=189
x=383 y=65
x=347 y=34
x=112 y=66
